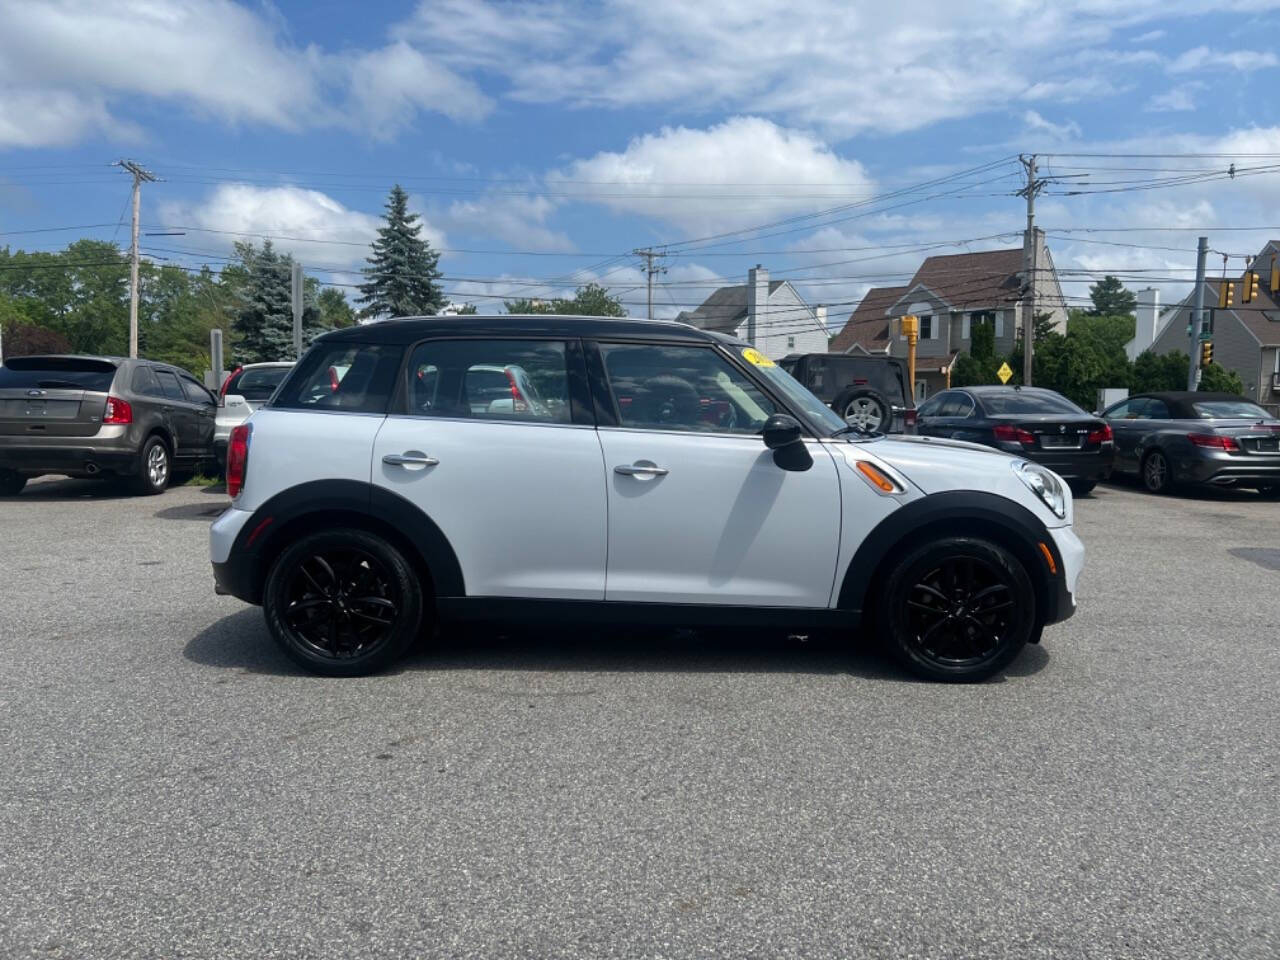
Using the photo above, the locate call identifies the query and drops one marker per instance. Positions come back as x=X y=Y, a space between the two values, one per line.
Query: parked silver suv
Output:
x=101 y=417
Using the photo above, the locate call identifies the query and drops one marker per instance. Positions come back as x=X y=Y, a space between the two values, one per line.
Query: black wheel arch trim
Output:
x=1011 y=522
x=243 y=574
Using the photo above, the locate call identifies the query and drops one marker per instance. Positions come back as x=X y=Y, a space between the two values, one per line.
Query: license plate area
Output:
x=1265 y=445
x=1062 y=442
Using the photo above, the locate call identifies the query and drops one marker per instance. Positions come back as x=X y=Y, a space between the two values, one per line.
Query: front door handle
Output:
x=641 y=470
x=406 y=459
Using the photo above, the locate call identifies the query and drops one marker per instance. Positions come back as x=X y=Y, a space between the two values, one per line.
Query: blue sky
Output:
x=556 y=136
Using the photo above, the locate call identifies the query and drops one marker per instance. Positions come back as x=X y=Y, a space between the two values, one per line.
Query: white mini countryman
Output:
x=425 y=471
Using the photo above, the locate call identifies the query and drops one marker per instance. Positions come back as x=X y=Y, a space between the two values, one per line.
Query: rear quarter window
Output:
x=347 y=377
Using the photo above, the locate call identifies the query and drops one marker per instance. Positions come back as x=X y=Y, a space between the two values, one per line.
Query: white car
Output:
x=246 y=388
x=666 y=475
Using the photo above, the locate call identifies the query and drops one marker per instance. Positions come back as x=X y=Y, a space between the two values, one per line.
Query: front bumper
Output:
x=1071 y=556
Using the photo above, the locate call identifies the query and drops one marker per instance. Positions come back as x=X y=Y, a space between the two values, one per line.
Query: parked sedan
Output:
x=1182 y=437
x=1037 y=424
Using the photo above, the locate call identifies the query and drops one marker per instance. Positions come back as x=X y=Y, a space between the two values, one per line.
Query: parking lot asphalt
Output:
x=173 y=787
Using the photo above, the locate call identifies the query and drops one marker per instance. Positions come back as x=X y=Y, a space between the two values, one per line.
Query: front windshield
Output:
x=795 y=394
x=1229 y=410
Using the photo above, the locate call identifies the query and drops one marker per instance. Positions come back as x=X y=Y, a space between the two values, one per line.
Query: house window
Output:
x=979 y=316
x=1208 y=321
x=791 y=343
x=922 y=391
x=926 y=327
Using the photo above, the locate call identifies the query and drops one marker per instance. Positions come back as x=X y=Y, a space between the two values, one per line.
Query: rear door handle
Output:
x=404 y=459
x=640 y=470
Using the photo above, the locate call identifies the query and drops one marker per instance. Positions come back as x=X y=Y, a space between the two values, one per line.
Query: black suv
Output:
x=101 y=417
x=871 y=393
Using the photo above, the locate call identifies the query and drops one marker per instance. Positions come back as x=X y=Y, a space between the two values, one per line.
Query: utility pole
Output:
x=139 y=175
x=1197 y=316
x=1029 y=257
x=650 y=269
x=296 y=291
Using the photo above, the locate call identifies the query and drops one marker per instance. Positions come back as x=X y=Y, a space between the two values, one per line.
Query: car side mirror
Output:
x=781 y=431
x=783 y=435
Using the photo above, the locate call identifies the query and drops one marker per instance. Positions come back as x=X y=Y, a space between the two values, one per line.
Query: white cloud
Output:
x=1203 y=58
x=83 y=60
x=520 y=220
x=1055 y=131
x=745 y=170
x=1175 y=100
x=286 y=212
x=828 y=65
x=1149 y=37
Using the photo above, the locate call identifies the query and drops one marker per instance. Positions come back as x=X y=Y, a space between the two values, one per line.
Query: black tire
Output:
x=1080 y=488
x=1156 y=473
x=154 y=468
x=864 y=408
x=957 y=609
x=319 y=612
x=11 y=483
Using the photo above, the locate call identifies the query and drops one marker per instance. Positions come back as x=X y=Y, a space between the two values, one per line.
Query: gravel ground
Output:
x=172 y=787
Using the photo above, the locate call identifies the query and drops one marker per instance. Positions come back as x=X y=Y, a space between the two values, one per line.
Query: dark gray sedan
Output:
x=1212 y=439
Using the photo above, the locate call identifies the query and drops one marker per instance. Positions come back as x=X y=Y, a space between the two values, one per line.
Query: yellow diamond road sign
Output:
x=1004 y=373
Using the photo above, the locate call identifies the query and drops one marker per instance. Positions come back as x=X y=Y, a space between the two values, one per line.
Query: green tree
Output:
x=1216 y=379
x=591 y=300
x=264 y=318
x=403 y=269
x=982 y=340
x=1111 y=299
x=1159 y=371
x=335 y=311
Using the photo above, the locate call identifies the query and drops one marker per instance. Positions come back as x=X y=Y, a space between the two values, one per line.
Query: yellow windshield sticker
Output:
x=756 y=358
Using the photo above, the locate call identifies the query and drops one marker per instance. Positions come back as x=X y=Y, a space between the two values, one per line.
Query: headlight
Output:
x=1044 y=484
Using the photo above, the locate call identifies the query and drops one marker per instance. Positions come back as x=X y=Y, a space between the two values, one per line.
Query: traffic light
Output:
x=1226 y=294
x=910 y=326
x=1250 y=286
x=1206 y=353
x=1275 y=276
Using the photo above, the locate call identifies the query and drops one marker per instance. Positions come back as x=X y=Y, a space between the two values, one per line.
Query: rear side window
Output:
x=145 y=383
x=351 y=377
x=55 y=373
x=526 y=380
x=170 y=385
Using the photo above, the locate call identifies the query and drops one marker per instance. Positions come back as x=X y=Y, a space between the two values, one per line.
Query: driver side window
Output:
x=691 y=389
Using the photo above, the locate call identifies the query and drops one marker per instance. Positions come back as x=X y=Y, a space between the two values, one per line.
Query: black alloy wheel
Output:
x=1156 y=474
x=343 y=603
x=959 y=609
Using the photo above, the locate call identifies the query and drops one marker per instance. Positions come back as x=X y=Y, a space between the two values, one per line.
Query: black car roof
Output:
x=408 y=330
x=1185 y=396
x=995 y=388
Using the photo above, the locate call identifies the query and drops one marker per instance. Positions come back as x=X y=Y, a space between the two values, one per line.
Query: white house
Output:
x=768 y=314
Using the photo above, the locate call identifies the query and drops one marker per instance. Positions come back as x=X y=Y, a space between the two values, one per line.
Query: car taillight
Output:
x=1214 y=441
x=909 y=418
x=117 y=411
x=334 y=380
x=1102 y=435
x=237 y=458
x=222 y=391
x=518 y=403
x=1004 y=431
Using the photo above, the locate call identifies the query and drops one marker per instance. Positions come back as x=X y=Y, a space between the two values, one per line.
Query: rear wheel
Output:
x=151 y=474
x=1156 y=475
x=11 y=483
x=343 y=603
x=958 y=609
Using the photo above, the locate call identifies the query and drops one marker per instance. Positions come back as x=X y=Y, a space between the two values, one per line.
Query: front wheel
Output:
x=958 y=609
x=343 y=603
x=11 y=483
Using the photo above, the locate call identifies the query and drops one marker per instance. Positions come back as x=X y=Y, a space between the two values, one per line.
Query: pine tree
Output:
x=403 y=268
x=1111 y=299
x=264 y=320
